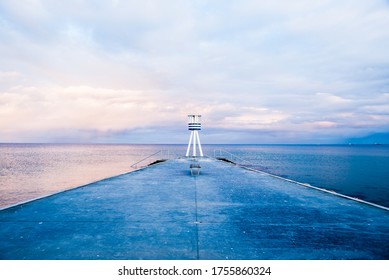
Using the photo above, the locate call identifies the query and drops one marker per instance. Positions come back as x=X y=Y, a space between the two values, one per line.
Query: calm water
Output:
x=28 y=171
x=360 y=171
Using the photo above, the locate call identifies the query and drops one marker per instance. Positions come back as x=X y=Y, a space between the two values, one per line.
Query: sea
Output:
x=30 y=171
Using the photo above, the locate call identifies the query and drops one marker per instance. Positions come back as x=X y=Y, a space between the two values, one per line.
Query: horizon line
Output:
x=203 y=144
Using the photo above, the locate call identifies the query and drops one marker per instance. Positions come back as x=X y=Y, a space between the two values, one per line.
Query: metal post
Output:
x=190 y=141
x=194 y=142
x=199 y=144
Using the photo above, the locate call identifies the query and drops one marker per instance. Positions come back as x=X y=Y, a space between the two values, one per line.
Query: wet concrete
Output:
x=162 y=212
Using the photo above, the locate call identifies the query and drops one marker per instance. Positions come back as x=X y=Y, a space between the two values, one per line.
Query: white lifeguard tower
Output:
x=194 y=126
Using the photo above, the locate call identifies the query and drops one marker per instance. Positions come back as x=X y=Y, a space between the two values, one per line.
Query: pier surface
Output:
x=162 y=212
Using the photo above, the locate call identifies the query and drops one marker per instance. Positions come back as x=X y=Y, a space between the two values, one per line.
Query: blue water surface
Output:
x=360 y=171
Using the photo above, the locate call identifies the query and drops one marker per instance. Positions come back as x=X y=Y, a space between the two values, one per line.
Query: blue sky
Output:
x=130 y=71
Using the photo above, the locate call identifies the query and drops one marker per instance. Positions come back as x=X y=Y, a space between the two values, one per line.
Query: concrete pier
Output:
x=162 y=212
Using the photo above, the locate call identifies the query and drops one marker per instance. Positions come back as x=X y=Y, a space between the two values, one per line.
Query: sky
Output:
x=259 y=72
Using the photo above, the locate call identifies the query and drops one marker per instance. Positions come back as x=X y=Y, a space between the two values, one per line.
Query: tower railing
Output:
x=226 y=155
x=164 y=155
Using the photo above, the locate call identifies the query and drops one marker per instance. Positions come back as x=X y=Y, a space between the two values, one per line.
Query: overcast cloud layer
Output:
x=130 y=71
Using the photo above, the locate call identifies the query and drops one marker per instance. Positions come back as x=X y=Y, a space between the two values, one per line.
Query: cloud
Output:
x=113 y=68
x=77 y=107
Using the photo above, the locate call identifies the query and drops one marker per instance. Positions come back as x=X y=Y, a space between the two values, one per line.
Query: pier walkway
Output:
x=162 y=212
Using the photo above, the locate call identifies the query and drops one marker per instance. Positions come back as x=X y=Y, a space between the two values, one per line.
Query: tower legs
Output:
x=190 y=141
x=199 y=144
x=194 y=137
